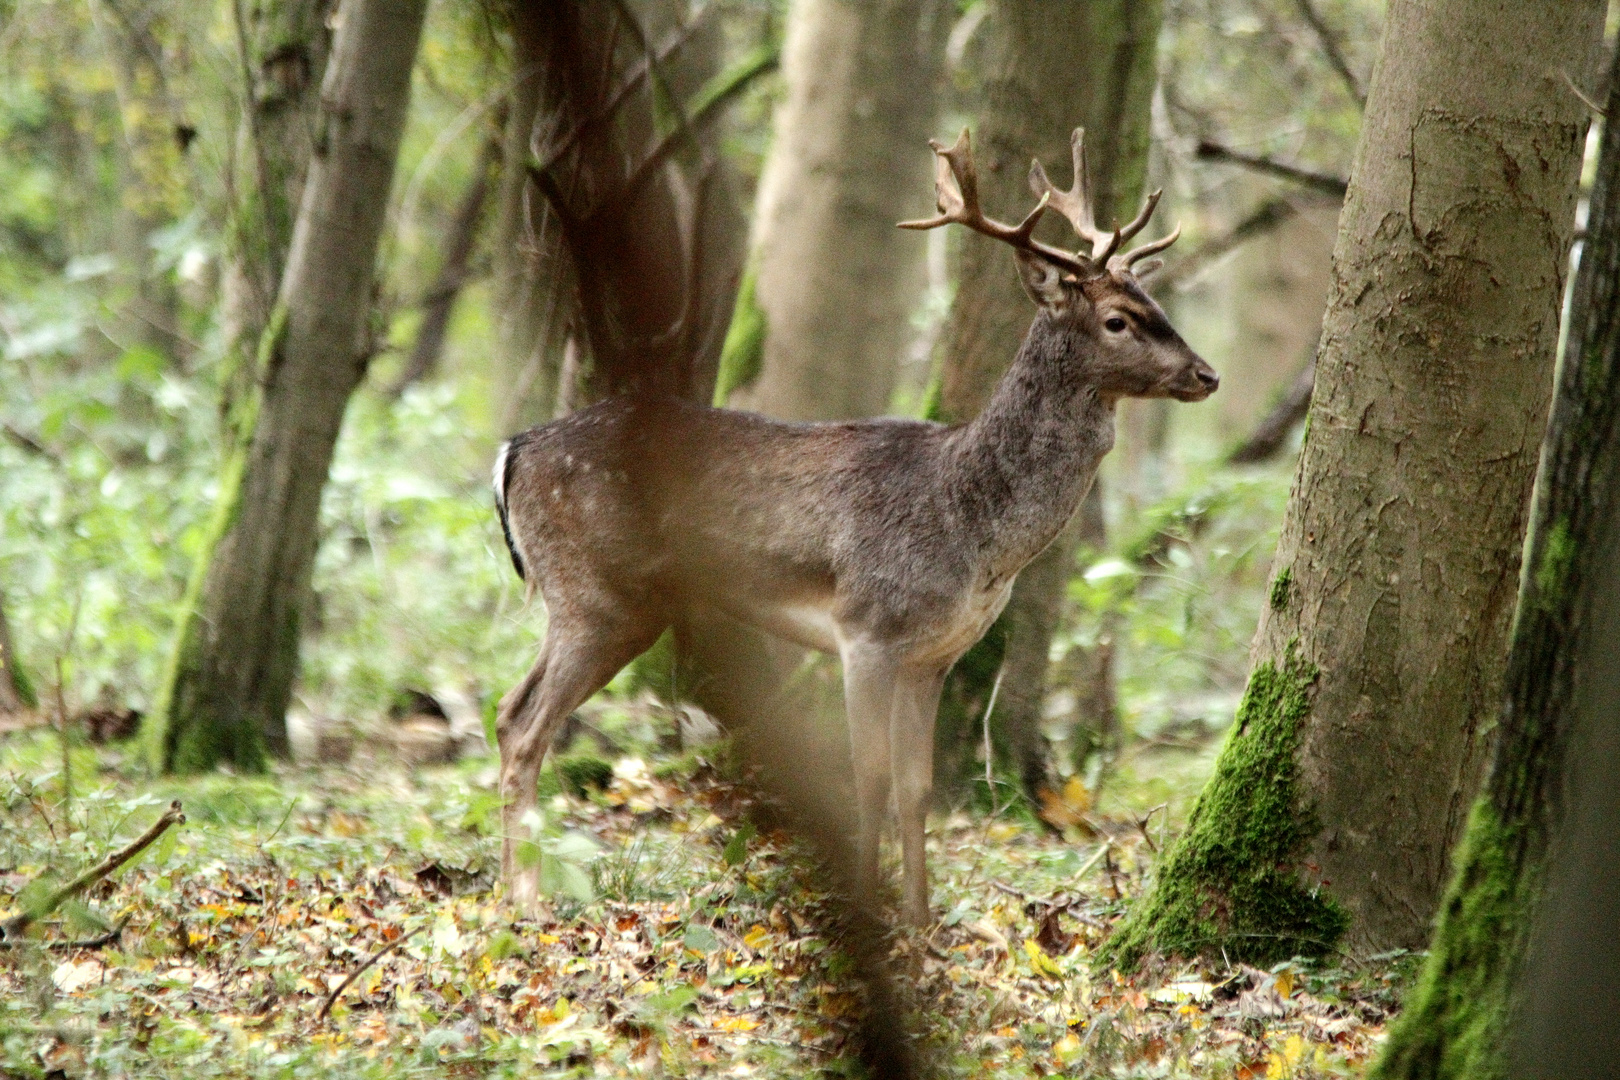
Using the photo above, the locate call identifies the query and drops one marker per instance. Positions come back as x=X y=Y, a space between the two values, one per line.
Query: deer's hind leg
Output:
x=580 y=654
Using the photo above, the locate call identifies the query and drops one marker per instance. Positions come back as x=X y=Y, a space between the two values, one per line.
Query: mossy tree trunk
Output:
x=1516 y=985
x=1046 y=68
x=284 y=46
x=1398 y=562
x=235 y=655
x=834 y=282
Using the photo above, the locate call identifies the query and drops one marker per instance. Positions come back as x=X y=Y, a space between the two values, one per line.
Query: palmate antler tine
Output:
x=1075 y=204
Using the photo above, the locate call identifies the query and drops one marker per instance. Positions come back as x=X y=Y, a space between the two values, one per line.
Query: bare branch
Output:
x=1272 y=432
x=1330 y=47
x=1269 y=215
x=1209 y=150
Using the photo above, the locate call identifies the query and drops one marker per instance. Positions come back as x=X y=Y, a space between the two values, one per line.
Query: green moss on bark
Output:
x=184 y=732
x=1231 y=883
x=1453 y=1023
x=1280 y=587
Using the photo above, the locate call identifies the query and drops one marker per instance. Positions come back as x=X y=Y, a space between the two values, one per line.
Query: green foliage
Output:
x=1232 y=884
x=742 y=357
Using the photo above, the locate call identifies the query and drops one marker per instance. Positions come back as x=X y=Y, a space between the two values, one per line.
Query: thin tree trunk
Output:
x=440 y=300
x=283 y=47
x=834 y=282
x=236 y=650
x=1036 y=90
x=533 y=279
x=15 y=693
x=1380 y=655
x=151 y=158
x=1520 y=971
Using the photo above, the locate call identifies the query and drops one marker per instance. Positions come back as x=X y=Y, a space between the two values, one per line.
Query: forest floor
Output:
x=676 y=941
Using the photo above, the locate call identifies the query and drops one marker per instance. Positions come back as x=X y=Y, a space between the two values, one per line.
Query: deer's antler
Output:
x=1076 y=205
x=956 y=191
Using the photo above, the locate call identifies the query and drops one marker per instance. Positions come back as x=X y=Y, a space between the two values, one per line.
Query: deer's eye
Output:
x=1116 y=324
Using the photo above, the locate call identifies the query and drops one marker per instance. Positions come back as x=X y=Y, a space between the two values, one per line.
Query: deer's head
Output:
x=1131 y=348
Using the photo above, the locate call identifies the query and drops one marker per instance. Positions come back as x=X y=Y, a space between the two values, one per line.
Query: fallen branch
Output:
x=331 y=999
x=14 y=926
x=1209 y=150
x=98 y=942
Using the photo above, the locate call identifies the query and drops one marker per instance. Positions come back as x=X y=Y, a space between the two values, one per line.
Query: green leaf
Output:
x=700 y=939
x=737 y=846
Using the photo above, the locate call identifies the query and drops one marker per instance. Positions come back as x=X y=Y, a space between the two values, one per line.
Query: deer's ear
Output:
x=1043 y=280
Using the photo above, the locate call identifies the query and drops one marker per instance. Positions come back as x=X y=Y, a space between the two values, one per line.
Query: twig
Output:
x=29 y=443
x=1578 y=92
x=989 y=756
x=15 y=925
x=1142 y=824
x=1269 y=215
x=1272 y=431
x=331 y=998
x=96 y=942
x=1209 y=150
x=1330 y=46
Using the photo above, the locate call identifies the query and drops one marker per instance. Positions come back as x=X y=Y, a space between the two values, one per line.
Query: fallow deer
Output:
x=892 y=543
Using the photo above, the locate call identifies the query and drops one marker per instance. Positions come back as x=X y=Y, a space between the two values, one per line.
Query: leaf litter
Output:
x=332 y=923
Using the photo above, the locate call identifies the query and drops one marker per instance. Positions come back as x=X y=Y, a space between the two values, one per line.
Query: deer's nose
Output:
x=1208 y=377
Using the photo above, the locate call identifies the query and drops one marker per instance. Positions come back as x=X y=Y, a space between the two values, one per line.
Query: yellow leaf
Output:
x=737 y=1023
x=1294 y=1049
x=1067 y=807
x=1285 y=984
x=1067 y=1048
x=547 y=939
x=1276 y=1069
x=757 y=936
x=1039 y=961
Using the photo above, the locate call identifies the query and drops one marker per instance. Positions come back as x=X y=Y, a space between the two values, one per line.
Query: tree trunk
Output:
x=533 y=280
x=1519 y=980
x=284 y=52
x=15 y=692
x=440 y=300
x=835 y=283
x=1036 y=90
x=236 y=650
x=1381 y=652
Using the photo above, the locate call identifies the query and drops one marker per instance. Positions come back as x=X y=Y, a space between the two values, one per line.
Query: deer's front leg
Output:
x=869 y=691
x=916 y=702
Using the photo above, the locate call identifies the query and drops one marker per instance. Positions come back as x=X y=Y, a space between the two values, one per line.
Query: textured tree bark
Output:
x=1519 y=980
x=1381 y=653
x=236 y=650
x=834 y=281
x=1049 y=67
x=284 y=50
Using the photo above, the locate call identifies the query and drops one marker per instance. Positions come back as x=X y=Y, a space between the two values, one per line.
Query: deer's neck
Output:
x=1023 y=465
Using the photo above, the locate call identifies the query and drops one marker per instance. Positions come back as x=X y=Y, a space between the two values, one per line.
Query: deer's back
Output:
x=666 y=501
